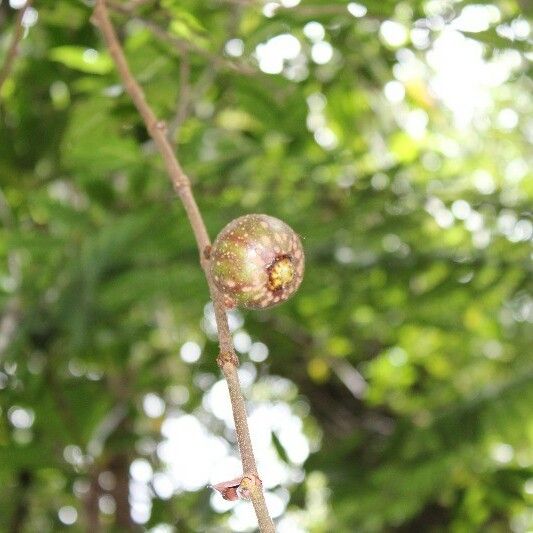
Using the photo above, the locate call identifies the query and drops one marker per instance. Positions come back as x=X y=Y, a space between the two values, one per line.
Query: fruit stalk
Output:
x=228 y=359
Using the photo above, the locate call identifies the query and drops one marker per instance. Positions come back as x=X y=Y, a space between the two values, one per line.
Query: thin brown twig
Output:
x=184 y=98
x=134 y=4
x=301 y=10
x=14 y=45
x=183 y=45
x=20 y=515
x=189 y=93
x=227 y=360
x=92 y=513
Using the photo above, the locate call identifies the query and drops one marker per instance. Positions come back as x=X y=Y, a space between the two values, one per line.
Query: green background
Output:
x=404 y=360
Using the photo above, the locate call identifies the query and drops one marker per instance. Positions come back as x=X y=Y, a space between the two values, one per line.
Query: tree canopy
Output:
x=393 y=392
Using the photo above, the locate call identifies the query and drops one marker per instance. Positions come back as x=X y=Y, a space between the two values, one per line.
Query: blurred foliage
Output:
x=408 y=348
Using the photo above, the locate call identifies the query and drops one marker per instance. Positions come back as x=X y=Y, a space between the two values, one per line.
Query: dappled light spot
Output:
x=242 y=341
x=420 y=37
x=141 y=506
x=321 y=52
x=153 y=405
x=68 y=515
x=107 y=504
x=289 y=3
x=17 y=4
x=177 y=394
x=163 y=486
x=190 y=352
x=189 y=459
x=272 y=54
x=141 y=470
x=314 y=31
x=247 y=374
x=234 y=47
x=507 y=119
x=461 y=209
x=20 y=417
x=107 y=480
x=73 y=455
x=30 y=17
x=357 y=10
x=326 y=138
x=502 y=453
x=258 y=352
x=345 y=255
x=270 y=8
x=476 y=18
x=393 y=33
x=394 y=91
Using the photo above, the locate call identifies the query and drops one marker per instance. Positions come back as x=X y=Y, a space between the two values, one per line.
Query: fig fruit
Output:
x=257 y=261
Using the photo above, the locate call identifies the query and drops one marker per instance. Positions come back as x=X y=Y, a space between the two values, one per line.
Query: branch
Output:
x=348 y=375
x=120 y=466
x=25 y=479
x=189 y=93
x=184 y=98
x=183 y=45
x=9 y=323
x=134 y=4
x=13 y=47
x=92 y=513
x=227 y=360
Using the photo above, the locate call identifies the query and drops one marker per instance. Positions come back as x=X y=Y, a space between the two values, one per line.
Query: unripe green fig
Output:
x=257 y=261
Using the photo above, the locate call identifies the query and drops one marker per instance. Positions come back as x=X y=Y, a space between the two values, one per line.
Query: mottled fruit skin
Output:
x=257 y=261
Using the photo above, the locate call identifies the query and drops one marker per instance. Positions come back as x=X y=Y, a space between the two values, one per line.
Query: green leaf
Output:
x=84 y=59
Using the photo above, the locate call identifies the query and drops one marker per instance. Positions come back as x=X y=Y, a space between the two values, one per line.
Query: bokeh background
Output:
x=394 y=392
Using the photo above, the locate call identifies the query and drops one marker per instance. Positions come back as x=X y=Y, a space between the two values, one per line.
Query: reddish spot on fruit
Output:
x=257 y=261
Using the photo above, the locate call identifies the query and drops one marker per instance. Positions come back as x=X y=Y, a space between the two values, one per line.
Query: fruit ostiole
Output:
x=257 y=261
